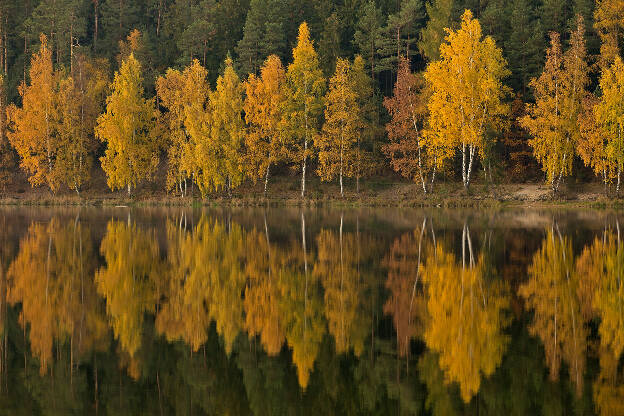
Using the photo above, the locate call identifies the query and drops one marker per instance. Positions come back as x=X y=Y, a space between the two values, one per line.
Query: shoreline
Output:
x=398 y=195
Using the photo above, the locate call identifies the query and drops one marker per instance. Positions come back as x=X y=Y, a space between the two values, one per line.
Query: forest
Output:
x=219 y=92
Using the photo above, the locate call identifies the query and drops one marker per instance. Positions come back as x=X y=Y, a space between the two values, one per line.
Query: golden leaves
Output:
x=127 y=127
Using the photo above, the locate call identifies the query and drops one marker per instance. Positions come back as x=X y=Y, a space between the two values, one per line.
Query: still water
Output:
x=122 y=311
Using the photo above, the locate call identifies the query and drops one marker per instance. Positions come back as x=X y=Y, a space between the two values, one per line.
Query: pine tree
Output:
x=554 y=15
x=63 y=22
x=117 y=18
x=400 y=33
x=432 y=35
x=127 y=127
x=249 y=49
x=524 y=46
x=274 y=41
x=369 y=129
x=197 y=38
x=306 y=86
x=329 y=45
x=368 y=33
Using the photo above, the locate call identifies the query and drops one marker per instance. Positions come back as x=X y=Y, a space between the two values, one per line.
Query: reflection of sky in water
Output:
x=272 y=311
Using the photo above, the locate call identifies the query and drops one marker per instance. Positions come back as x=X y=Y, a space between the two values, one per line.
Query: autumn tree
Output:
x=51 y=277
x=306 y=86
x=184 y=288
x=406 y=303
x=337 y=142
x=265 y=99
x=32 y=129
x=180 y=92
x=228 y=127
x=264 y=268
x=609 y=23
x=127 y=127
x=609 y=113
x=80 y=100
x=409 y=150
x=553 y=121
x=592 y=143
x=467 y=92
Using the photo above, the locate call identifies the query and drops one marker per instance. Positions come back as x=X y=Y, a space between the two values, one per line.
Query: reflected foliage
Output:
x=262 y=312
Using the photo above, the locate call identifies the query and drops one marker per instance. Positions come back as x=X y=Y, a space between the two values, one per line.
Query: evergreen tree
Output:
x=118 y=18
x=523 y=46
x=274 y=41
x=367 y=35
x=400 y=34
x=249 y=49
x=63 y=22
x=329 y=45
x=432 y=35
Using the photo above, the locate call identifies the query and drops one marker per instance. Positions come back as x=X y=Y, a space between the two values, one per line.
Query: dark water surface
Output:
x=120 y=311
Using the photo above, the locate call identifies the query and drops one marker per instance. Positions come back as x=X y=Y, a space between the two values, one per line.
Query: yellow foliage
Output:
x=127 y=281
x=33 y=126
x=467 y=317
x=337 y=269
x=264 y=107
x=553 y=121
x=52 y=279
x=181 y=93
x=127 y=127
x=552 y=292
x=467 y=91
x=304 y=105
x=336 y=144
x=218 y=135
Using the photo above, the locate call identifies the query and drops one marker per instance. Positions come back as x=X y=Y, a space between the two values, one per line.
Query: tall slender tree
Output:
x=127 y=128
x=337 y=142
x=32 y=128
x=264 y=106
x=305 y=100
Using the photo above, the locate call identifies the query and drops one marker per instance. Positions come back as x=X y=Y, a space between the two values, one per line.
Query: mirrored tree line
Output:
x=174 y=315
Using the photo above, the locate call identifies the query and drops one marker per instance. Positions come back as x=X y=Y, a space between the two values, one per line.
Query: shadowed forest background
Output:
x=215 y=93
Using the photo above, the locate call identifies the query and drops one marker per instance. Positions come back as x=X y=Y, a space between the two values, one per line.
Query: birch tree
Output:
x=337 y=142
x=127 y=127
x=306 y=87
x=467 y=91
x=265 y=99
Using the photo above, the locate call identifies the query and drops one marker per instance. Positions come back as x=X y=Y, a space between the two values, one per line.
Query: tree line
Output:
x=429 y=87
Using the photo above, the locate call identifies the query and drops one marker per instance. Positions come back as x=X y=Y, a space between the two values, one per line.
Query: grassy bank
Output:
x=285 y=191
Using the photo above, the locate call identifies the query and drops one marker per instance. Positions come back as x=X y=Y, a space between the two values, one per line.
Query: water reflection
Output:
x=275 y=311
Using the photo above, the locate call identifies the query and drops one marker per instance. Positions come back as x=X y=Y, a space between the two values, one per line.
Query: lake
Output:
x=275 y=311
